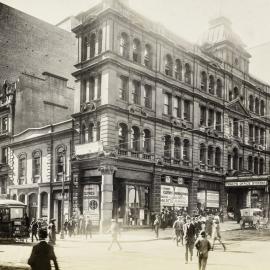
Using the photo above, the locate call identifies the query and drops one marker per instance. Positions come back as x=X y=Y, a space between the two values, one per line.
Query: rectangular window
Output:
x=262 y=132
x=235 y=128
x=176 y=107
x=218 y=121
x=123 y=90
x=167 y=104
x=256 y=135
x=22 y=169
x=83 y=91
x=4 y=155
x=211 y=118
x=99 y=86
x=203 y=116
x=148 y=96
x=187 y=110
x=36 y=165
x=136 y=92
x=250 y=131
x=4 y=124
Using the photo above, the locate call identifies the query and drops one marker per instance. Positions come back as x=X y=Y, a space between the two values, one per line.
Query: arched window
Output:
x=262 y=108
x=218 y=159
x=235 y=92
x=22 y=169
x=85 y=48
x=210 y=157
x=187 y=73
x=147 y=141
x=36 y=166
x=186 y=148
x=261 y=169
x=98 y=131
x=91 y=132
x=178 y=70
x=203 y=81
x=14 y=197
x=167 y=146
x=177 y=148
x=44 y=204
x=250 y=163
x=211 y=85
x=135 y=139
x=136 y=51
x=219 y=88
x=256 y=165
x=148 y=56
x=235 y=159
x=251 y=103
x=60 y=162
x=168 y=65
x=22 y=198
x=100 y=38
x=202 y=153
x=124 y=45
x=92 y=45
x=84 y=136
x=257 y=105
x=123 y=136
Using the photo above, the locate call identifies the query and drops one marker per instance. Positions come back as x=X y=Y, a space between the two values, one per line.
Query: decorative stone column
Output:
x=106 y=206
x=192 y=195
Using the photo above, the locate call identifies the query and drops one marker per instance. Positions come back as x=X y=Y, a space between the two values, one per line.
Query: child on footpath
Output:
x=203 y=246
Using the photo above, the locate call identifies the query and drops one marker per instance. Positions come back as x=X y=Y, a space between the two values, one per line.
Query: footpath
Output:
x=140 y=235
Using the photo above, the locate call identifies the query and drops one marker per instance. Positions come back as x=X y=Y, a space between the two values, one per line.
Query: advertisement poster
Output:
x=174 y=196
x=212 y=199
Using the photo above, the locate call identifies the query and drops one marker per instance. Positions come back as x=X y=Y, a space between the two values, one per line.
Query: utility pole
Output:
x=63 y=199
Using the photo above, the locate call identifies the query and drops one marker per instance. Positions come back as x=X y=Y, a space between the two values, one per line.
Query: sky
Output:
x=187 y=18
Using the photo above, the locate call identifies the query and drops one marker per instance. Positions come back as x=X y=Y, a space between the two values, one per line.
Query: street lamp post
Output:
x=63 y=202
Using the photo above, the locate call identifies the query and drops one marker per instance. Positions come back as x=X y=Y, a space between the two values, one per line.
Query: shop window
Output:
x=148 y=56
x=136 y=92
x=124 y=45
x=262 y=108
x=168 y=65
x=202 y=115
x=98 y=131
x=202 y=153
x=262 y=136
x=261 y=169
x=203 y=81
x=100 y=38
x=211 y=84
x=36 y=165
x=167 y=146
x=167 y=103
x=92 y=45
x=219 y=88
x=218 y=158
x=257 y=106
x=177 y=149
x=60 y=162
x=210 y=160
x=250 y=163
x=123 y=136
x=91 y=132
x=123 y=90
x=135 y=139
x=251 y=103
x=187 y=73
x=218 y=121
x=84 y=135
x=22 y=168
x=186 y=149
x=4 y=155
x=147 y=96
x=177 y=107
x=235 y=92
x=85 y=48
x=187 y=110
x=235 y=159
x=256 y=165
x=136 y=51
x=211 y=118
x=44 y=204
x=178 y=70
x=146 y=141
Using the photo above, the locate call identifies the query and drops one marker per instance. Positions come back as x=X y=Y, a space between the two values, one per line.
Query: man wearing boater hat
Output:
x=42 y=254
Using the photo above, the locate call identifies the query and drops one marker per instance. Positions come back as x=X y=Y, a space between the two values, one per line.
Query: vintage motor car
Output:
x=253 y=218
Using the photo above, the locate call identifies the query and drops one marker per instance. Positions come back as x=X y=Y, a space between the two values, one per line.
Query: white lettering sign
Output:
x=212 y=199
x=246 y=184
x=174 y=196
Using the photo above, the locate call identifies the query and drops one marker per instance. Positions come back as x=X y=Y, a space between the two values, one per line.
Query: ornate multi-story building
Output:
x=160 y=122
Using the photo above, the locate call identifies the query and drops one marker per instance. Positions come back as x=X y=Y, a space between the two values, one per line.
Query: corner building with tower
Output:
x=160 y=122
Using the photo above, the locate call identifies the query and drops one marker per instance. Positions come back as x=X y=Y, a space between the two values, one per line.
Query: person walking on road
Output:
x=115 y=231
x=189 y=238
x=156 y=226
x=178 y=229
x=42 y=254
x=34 y=229
x=88 y=228
x=216 y=234
x=203 y=246
x=52 y=232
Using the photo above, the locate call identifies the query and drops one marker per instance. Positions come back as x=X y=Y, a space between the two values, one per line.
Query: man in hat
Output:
x=52 y=232
x=115 y=231
x=178 y=229
x=189 y=238
x=42 y=254
x=203 y=246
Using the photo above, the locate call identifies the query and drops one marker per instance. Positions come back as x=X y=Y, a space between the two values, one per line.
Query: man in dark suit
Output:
x=42 y=254
x=189 y=238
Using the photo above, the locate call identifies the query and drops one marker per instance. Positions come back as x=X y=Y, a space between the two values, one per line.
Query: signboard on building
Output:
x=88 y=148
x=174 y=196
x=212 y=199
x=91 y=203
x=245 y=183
